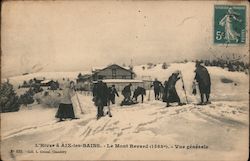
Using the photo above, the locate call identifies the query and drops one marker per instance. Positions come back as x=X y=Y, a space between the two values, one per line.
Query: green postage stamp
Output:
x=229 y=24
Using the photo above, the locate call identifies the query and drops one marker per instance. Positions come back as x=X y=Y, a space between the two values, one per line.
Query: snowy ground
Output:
x=222 y=125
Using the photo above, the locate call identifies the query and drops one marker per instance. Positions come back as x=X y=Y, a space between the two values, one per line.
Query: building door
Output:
x=113 y=73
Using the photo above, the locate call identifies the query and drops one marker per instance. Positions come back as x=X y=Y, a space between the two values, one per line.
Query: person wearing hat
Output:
x=204 y=83
x=100 y=94
x=65 y=110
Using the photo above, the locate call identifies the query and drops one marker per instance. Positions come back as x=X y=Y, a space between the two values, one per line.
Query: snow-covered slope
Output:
x=237 y=90
x=222 y=125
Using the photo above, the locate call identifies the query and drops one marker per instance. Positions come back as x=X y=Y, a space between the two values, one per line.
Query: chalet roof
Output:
x=97 y=69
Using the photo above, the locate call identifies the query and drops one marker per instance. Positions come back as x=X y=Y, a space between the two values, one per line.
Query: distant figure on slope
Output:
x=203 y=78
x=157 y=87
x=100 y=94
x=171 y=95
x=139 y=91
x=65 y=109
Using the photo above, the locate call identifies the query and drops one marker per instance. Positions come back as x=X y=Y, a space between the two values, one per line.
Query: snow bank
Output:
x=238 y=90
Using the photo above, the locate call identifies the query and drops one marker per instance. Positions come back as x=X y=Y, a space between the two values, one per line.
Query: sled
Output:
x=181 y=104
x=203 y=104
x=60 y=121
x=76 y=118
x=128 y=103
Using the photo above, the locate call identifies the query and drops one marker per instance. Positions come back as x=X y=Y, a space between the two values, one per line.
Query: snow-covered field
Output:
x=221 y=126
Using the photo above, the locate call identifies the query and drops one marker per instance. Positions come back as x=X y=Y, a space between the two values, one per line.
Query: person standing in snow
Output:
x=161 y=92
x=164 y=93
x=111 y=98
x=112 y=92
x=100 y=94
x=171 y=95
x=65 y=109
x=157 y=87
x=203 y=78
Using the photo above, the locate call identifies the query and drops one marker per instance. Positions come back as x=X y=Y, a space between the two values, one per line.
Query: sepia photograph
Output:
x=124 y=80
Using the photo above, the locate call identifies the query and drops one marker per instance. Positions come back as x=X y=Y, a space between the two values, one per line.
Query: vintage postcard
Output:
x=124 y=80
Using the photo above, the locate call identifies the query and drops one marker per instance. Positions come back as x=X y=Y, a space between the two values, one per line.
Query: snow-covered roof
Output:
x=122 y=81
x=125 y=67
x=103 y=67
x=98 y=68
x=46 y=81
x=39 y=78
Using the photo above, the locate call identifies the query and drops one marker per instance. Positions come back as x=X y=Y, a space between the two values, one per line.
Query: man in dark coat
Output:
x=157 y=87
x=112 y=93
x=171 y=95
x=100 y=93
x=126 y=92
x=203 y=78
x=139 y=91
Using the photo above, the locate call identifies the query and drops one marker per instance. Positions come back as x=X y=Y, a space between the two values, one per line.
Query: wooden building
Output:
x=121 y=83
x=113 y=71
x=84 y=78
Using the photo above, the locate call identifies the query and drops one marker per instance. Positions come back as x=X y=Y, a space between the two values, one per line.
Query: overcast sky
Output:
x=74 y=36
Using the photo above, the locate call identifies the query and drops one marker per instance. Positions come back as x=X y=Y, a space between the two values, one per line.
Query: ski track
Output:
x=88 y=124
x=87 y=127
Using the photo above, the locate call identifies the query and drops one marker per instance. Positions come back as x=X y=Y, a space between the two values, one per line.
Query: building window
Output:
x=113 y=73
x=101 y=77
x=124 y=77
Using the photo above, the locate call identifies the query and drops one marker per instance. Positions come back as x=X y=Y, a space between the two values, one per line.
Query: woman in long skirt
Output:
x=171 y=95
x=65 y=109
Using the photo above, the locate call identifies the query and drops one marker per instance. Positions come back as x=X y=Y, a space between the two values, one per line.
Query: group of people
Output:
x=105 y=96
x=168 y=93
